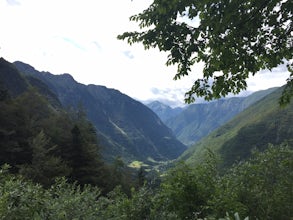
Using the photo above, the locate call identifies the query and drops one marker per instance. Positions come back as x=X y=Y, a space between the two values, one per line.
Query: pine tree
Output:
x=44 y=167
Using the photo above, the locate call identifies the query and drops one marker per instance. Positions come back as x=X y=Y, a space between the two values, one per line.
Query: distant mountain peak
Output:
x=164 y=111
x=67 y=76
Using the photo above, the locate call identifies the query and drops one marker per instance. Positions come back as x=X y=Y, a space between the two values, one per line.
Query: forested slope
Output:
x=42 y=141
x=262 y=123
x=198 y=120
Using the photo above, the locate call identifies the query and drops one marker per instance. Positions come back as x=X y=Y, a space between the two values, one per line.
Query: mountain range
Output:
x=49 y=127
x=128 y=129
x=196 y=121
x=125 y=127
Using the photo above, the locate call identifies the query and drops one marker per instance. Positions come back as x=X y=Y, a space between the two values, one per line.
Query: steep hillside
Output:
x=198 y=120
x=262 y=123
x=40 y=140
x=124 y=126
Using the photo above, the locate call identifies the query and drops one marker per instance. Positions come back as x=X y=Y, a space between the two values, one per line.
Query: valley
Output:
x=153 y=135
x=130 y=153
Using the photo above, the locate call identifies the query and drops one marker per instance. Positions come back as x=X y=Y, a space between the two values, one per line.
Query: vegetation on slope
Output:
x=199 y=120
x=41 y=141
x=262 y=123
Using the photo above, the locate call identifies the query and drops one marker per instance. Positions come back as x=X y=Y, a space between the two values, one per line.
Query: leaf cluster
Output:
x=233 y=39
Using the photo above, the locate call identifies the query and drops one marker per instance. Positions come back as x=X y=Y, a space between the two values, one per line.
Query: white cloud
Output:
x=267 y=79
x=80 y=38
x=12 y=2
x=128 y=54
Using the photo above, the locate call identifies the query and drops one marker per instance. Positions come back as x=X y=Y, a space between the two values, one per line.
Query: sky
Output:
x=79 y=37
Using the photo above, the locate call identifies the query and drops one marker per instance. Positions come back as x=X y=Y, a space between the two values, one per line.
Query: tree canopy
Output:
x=233 y=38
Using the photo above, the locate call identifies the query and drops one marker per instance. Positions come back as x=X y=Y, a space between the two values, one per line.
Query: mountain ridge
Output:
x=164 y=111
x=197 y=120
x=125 y=127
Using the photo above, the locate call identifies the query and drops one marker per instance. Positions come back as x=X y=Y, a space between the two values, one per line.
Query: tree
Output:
x=44 y=167
x=84 y=158
x=185 y=190
x=141 y=177
x=120 y=175
x=234 y=39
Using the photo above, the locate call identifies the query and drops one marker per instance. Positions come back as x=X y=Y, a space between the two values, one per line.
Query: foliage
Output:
x=21 y=119
x=185 y=191
x=136 y=207
x=208 y=32
x=260 y=187
x=23 y=199
x=44 y=168
x=121 y=175
x=288 y=90
x=42 y=142
x=70 y=201
x=20 y=199
x=83 y=158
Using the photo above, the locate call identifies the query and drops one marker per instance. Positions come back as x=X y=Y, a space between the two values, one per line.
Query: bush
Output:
x=22 y=199
x=260 y=187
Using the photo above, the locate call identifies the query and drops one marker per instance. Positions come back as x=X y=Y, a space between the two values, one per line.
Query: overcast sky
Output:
x=79 y=37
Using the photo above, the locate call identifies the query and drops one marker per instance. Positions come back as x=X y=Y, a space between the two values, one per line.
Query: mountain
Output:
x=11 y=80
x=125 y=127
x=42 y=141
x=198 y=120
x=164 y=111
x=263 y=123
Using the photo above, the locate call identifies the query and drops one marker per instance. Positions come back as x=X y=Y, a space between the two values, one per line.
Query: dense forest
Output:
x=41 y=143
